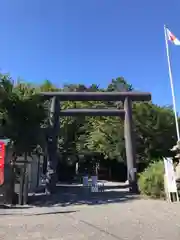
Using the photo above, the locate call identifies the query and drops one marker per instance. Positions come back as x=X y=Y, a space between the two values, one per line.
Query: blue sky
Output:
x=91 y=41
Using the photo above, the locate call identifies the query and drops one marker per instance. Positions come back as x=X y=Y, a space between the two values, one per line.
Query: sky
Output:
x=91 y=41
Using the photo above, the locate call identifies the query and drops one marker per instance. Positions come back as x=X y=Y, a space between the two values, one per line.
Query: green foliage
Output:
x=155 y=131
x=107 y=136
x=151 y=181
x=119 y=85
x=23 y=117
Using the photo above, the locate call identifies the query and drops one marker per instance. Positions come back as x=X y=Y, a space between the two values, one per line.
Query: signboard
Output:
x=170 y=175
x=2 y=160
x=94 y=188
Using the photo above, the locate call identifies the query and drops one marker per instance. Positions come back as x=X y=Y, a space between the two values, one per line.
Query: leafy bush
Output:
x=151 y=181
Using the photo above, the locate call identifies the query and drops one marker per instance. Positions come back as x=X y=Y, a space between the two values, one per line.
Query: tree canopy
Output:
x=23 y=117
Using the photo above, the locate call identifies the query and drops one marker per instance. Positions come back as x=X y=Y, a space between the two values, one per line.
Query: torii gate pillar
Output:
x=130 y=146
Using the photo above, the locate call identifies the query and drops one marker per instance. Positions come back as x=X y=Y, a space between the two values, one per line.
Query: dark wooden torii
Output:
x=55 y=112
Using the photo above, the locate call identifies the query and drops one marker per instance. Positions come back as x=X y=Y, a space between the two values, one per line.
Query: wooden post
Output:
x=130 y=146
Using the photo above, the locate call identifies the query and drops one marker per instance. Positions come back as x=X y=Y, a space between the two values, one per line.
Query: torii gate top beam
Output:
x=98 y=96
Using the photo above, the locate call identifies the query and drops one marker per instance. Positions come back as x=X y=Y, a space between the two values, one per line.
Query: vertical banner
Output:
x=2 y=161
x=170 y=175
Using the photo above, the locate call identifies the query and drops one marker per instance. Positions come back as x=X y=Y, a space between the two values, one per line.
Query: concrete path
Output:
x=134 y=219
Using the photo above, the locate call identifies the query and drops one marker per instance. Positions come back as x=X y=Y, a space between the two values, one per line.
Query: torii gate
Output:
x=55 y=112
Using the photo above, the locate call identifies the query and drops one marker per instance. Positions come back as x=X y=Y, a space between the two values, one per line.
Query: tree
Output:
x=22 y=116
x=155 y=131
x=106 y=136
x=119 y=85
x=47 y=86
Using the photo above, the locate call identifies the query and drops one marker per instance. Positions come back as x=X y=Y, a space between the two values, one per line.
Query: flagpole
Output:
x=171 y=83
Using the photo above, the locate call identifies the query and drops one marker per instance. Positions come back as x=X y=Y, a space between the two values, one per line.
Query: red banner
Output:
x=2 y=154
x=1 y=176
x=2 y=159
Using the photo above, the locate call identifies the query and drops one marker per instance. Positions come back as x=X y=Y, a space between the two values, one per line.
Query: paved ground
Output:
x=129 y=218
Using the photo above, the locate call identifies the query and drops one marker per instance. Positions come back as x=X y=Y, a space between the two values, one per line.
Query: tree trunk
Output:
x=51 y=177
x=25 y=188
x=21 y=188
x=13 y=177
x=38 y=171
x=45 y=164
x=22 y=191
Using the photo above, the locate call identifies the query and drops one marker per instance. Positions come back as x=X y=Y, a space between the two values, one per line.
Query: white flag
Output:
x=172 y=38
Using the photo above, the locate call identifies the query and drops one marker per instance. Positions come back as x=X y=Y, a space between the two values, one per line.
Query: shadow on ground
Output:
x=4 y=206
x=68 y=195
x=53 y=213
x=35 y=214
